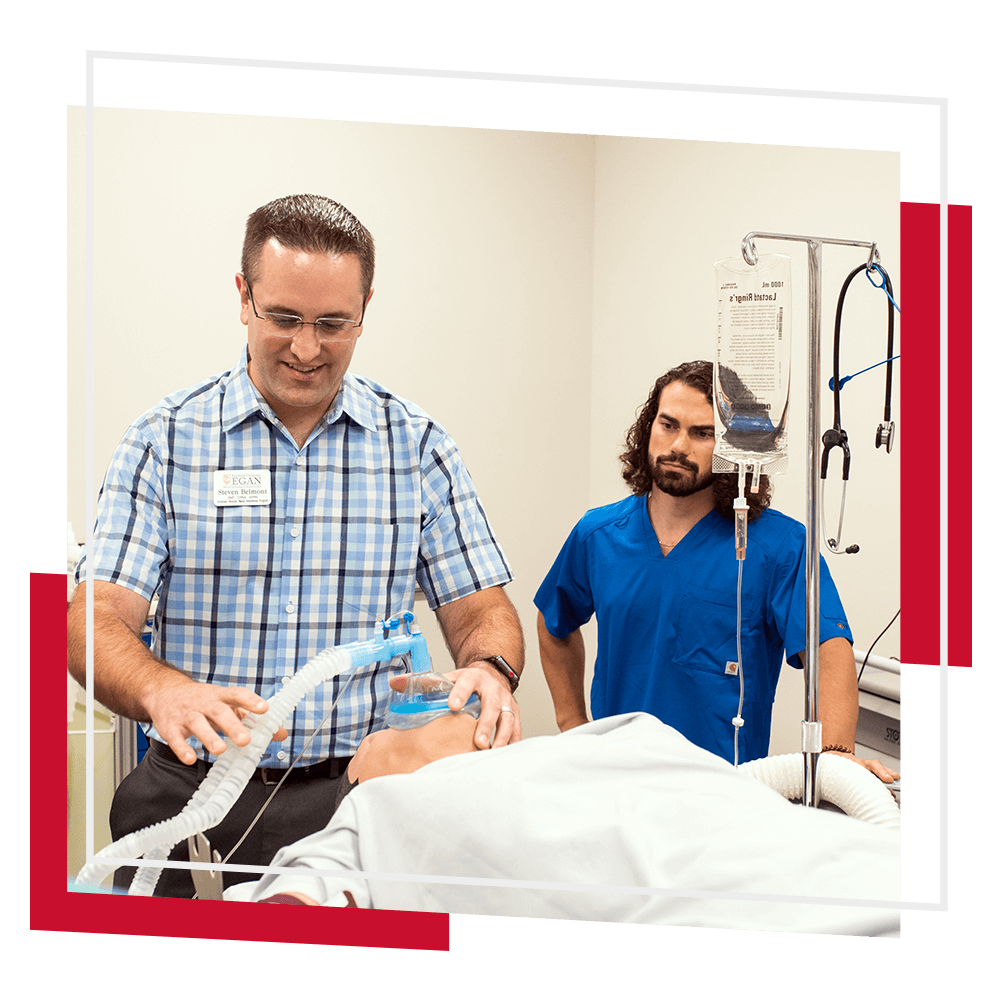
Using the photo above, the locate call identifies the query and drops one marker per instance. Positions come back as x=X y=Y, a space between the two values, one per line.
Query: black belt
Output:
x=332 y=767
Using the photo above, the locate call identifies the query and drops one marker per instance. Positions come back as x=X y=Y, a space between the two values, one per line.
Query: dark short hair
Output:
x=635 y=457
x=311 y=223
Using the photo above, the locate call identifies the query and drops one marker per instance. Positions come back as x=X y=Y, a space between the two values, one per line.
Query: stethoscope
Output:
x=836 y=437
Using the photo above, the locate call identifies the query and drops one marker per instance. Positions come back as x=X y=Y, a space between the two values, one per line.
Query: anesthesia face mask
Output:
x=424 y=699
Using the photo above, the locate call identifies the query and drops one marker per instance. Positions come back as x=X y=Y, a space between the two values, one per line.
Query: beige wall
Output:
x=529 y=288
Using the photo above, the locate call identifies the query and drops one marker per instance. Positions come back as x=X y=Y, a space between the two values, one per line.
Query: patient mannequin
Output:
x=399 y=751
x=402 y=751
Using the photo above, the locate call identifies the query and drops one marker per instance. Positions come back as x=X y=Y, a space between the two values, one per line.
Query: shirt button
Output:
x=295 y=532
x=286 y=678
x=281 y=755
x=290 y=608
x=300 y=460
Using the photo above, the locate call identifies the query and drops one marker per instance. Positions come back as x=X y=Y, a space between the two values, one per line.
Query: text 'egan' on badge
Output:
x=242 y=487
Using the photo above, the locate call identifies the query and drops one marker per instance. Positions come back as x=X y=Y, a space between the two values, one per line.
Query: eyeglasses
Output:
x=286 y=325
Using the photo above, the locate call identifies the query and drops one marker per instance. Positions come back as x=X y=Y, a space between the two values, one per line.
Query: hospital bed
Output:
x=621 y=820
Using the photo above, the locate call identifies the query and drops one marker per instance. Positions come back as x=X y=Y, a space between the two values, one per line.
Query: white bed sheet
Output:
x=621 y=803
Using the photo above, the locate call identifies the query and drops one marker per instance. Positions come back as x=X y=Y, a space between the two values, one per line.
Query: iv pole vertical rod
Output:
x=812 y=733
x=810 y=751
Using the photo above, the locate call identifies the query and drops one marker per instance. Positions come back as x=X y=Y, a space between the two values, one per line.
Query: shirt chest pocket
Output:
x=706 y=627
x=223 y=537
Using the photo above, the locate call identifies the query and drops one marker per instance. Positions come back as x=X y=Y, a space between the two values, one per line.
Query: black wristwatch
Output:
x=502 y=666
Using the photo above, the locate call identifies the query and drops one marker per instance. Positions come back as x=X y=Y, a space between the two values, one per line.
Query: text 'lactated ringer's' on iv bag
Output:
x=752 y=363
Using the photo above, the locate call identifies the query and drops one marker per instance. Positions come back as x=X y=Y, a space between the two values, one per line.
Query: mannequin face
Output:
x=402 y=751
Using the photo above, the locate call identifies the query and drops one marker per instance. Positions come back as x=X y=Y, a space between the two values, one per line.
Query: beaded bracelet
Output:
x=838 y=747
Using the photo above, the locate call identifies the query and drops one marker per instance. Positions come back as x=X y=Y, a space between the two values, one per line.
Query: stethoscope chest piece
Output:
x=885 y=435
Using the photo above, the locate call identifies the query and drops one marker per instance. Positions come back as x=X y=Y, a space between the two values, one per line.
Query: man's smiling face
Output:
x=299 y=375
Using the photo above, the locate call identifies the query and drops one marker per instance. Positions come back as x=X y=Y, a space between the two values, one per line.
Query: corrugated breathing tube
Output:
x=229 y=775
x=839 y=781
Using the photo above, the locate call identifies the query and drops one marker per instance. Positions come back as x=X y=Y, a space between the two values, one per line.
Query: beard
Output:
x=677 y=483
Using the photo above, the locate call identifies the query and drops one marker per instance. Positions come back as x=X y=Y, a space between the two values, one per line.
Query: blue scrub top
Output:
x=667 y=624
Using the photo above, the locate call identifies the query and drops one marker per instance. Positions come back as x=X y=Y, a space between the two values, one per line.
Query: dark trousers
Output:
x=161 y=786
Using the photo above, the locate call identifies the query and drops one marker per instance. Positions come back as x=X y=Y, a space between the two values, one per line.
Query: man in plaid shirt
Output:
x=277 y=509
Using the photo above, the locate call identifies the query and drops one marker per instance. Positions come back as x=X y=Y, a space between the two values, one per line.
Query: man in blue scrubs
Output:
x=659 y=569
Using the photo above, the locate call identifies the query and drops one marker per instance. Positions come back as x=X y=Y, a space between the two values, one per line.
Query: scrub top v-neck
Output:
x=667 y=622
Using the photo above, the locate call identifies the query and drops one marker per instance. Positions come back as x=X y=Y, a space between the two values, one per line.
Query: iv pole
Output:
x=812 y=735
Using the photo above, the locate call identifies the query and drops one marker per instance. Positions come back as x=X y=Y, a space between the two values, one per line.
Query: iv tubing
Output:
x=229 y=775
x=738 y=721
x=740 y=511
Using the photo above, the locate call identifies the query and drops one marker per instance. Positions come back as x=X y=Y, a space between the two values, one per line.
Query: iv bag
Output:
x=751 y=375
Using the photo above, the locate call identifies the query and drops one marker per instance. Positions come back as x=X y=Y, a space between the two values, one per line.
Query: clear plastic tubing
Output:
x=229 y=775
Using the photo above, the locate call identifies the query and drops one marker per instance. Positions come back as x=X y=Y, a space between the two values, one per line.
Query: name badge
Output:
x=242 y=487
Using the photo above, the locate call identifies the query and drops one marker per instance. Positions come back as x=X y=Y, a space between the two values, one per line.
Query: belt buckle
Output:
x=264 y=771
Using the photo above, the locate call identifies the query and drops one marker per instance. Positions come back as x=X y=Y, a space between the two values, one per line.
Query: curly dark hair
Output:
x=635 y=458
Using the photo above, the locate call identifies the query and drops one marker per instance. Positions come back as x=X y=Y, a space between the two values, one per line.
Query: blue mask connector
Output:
x=424 y=699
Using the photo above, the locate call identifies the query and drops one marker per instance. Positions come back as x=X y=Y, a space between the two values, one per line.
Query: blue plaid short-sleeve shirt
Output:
x=376 y=501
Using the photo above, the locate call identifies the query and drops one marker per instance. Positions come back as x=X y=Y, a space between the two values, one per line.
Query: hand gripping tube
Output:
x=229 y=775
